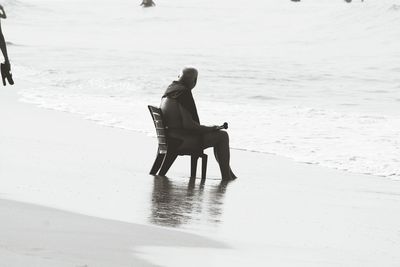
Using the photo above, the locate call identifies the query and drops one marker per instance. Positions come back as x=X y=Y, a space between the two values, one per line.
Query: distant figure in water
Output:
x=148 y=3
x=181 y=118
x=5 y=67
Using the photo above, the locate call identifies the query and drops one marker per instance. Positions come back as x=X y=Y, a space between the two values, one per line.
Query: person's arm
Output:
x=3 y=14
x=3 y=46
x=190 y=124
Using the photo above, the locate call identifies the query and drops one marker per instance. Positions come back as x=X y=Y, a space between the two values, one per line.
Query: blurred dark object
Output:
x=6 y=73
x=223 y=126
x=148 y=3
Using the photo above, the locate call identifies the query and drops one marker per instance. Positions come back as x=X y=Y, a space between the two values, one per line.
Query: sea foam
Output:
x=315 y=81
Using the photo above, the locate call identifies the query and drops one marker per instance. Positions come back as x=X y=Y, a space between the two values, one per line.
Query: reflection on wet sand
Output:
x=178 y=203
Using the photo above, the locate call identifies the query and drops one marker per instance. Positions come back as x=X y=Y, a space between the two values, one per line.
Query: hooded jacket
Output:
x=178 y=106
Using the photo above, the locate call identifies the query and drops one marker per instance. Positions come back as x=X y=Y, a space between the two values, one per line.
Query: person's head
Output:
x=188 y=77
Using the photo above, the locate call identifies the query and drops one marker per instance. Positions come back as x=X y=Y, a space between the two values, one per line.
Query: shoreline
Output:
x=149 y=132
x=42 y=224
x=34 y=235
x=300 y=214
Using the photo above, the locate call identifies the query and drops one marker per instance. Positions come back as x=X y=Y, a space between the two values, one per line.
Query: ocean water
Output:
x=316 y=81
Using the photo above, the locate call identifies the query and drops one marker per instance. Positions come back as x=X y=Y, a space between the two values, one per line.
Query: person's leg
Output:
x=233 y=176
x=219 y=140
x=188 y=142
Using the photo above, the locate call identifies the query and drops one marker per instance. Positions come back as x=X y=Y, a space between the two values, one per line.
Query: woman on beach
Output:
x=5 y=67
x=3 y=46
x=181 y=118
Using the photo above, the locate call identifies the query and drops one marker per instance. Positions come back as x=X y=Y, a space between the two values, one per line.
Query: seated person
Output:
x=182 y=121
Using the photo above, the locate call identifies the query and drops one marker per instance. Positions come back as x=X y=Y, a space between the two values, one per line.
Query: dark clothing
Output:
x=180 y=92
x=171 y=113
x=183 y=124
x=178 y=117
x=180 y=112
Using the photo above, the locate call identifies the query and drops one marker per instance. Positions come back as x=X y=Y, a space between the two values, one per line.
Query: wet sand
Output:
x=278 y=212
x=37 y=236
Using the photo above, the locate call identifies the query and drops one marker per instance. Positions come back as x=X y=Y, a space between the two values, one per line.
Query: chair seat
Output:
x=198 y=153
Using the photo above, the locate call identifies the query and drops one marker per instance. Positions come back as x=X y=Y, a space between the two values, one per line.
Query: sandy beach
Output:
x=311 y=93
x=32 y=235
x=277 y=213
x=36 y=236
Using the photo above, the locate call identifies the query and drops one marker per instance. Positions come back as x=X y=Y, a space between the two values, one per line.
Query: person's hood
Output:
x=181 y=91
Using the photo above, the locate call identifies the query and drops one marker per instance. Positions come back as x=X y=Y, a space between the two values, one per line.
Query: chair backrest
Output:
x=156 y=114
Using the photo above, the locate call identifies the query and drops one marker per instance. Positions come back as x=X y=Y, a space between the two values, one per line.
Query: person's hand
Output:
x=223 y=126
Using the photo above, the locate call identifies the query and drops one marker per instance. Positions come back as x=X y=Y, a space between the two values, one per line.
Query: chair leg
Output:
x=193 y=166
x=204 y=159
x=168 y=160
x=157 y=164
